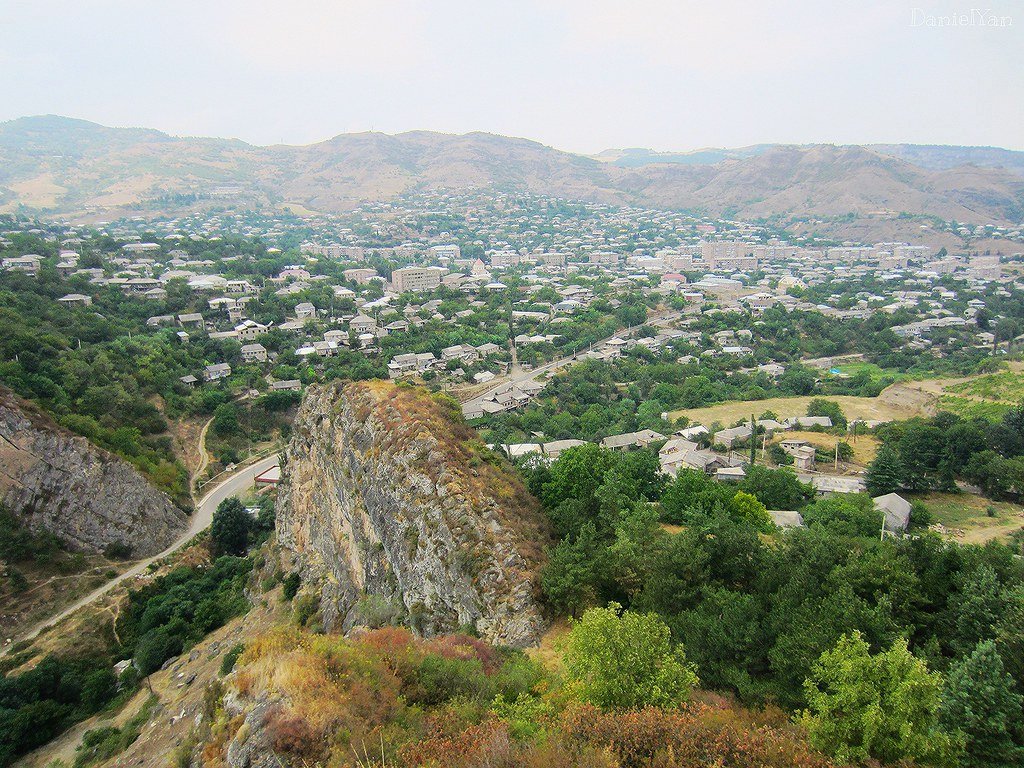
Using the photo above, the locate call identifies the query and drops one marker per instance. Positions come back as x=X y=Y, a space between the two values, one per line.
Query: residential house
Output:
x=785 y=518
x=237 y=287
x=804 y=422
x=556 y=448
x=803 y=453
x=28 y=264
x=254 y=353
x=217 y=371
x=729 y=437
x=248 y=330
x=730 y=474
x=410 y=363
x=896 y=510
x=488 y=348
x=693 y=432
x=362 y=324
x=462 y=352
x=640 y=439
x=774 y=370
x=75 y=299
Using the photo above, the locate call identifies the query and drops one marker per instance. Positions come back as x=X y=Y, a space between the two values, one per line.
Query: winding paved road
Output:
x=200 y=521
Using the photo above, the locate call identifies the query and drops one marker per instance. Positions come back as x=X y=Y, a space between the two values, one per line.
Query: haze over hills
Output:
x=60 y=165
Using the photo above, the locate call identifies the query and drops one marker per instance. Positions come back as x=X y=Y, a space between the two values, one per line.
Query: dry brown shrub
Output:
x=291 y=735
x=214 y=751
x=450 y=742
x=696 y=735
x=466 y=647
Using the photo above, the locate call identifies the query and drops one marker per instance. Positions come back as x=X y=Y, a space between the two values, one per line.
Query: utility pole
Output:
x=753 y=440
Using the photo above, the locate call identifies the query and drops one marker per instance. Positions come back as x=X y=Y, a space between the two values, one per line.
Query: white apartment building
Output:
x=415 y=279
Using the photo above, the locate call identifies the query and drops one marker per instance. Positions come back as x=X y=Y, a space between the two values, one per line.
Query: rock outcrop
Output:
x=391 y=503
x=89 y=498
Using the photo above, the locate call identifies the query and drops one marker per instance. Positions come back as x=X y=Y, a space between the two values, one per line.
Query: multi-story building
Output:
x=415 y=279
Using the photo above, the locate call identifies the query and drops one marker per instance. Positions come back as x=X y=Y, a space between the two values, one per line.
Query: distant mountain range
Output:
x=60 y=165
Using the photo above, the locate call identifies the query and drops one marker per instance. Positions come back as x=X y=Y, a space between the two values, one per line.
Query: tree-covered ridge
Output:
x=755 y=612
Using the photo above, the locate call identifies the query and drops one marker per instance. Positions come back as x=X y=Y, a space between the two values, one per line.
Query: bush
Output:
x=228 y=662
x=292 y=582
x=306 y=607
x=376 y=611
x=160 y=644
x=117 y=550
x=919 y=514
x=179 y=609
x=439 y=680
x=619 y=659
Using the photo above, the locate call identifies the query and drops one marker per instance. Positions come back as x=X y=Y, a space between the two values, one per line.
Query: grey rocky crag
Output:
x=390 y=500
x=54 y=480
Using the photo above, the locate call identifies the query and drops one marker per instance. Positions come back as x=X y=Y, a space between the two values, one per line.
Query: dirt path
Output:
x=204 y=455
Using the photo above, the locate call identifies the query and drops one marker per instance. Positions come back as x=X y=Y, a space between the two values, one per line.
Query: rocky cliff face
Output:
x=390 y=503
x=54 y=480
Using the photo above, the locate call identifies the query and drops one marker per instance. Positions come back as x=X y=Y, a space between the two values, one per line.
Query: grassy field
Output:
x=1002 y=387
x=870 y=408
x=970 y=408
x=987 y=396
x=874 y=371
x=967 y=517
x=298 y=209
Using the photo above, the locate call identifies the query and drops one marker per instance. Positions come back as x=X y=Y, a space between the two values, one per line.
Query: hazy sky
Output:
x=582 y=75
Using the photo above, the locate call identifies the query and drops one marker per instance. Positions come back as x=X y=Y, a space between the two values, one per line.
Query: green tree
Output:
x=225 y=420
x=694 y=496
x=724 y=637
x=1010 y=634
x=821 y=407
x=748 y=509
x=975 y=609
x=229 y=531
x=844 y=514
x=777 y=488
x=885 y=472
x=570 y=577
x=779 y=456
x=576 y=475
x=620 y=659
x=980 y=701
x=883 y=706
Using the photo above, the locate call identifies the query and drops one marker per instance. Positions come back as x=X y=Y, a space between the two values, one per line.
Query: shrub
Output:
x=291 y=585
x=306 y=608
x=377 y=611
x=619 y=659
x=228 y=662
x=117 y=550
